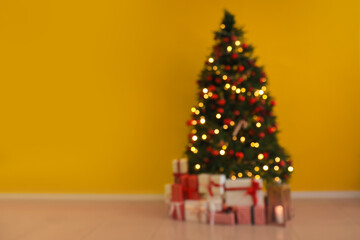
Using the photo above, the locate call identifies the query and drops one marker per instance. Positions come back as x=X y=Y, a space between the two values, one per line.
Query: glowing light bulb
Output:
x=193 y=109
x=256 y=145
x=252 y=144
x=258 y=124
x=194 y=131
x=257 y=176
x=261 y=92
x=237 y=43
x=243 y=90
x=233 y=88
x=240 y=174
x=277 y=179
x=225 y=126
x=277 y=159
x=238 y=90
x=222 y=152
x=256 y=169
x=192 y=149
x=229 y=48
x=224 y=147
x=205 y=90
x=249 y=174
x=197 y=166
x=210 y=94
x=211 y=60
x=216 y=131
x=203 y=137
x=256 y=93
x=215 y=68
x=206 y=96
x=194 y=138
x=218 y=116
x=232 y=123
x=240 y=49
x=222 y=26
x=265 y=167
x=227 y=86
x=264 y=97
x=276 y=168
x=242 y=139
x=233 y=177
x=197 y=112
x=263 y=88
x=201 y=104
x=234 y=138
x=202 y=120
x=224 y=77
x=261 y=156
x=290 y=169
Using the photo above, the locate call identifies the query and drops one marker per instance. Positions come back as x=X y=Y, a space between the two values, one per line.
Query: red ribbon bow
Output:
x=211 y=184
x=255 y=186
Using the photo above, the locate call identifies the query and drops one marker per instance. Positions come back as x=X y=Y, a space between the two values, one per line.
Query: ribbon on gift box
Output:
x=176 y=206
x=255 y=186
x=213 y=184
x=198 y=211
x=178 y=170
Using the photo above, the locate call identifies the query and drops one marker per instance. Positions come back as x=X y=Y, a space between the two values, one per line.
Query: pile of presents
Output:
x=213 y=199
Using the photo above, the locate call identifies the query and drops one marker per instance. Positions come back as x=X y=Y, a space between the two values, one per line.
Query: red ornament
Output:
x=227 y=68
x=233 y=38
x=236 y=112
x=244 y=45
x=218 y=80
x=253 y=73
x=220 y=110
x=233 y=96
x=211 y=132
x=225 y=39
x=240 y=80
x=271 y=130
x=251 y=62
x=206 y=160
x=214 y=96
x=234 y=56
x=209 y=149
x=261 y=135
x=239 y=155
x=221 y=102
x=215 y=152
x=241 y=98
x=241 y=68
x=251 y=89
x=281 y=163
x=286 y=176
x=273 y=103
x=191 y=122
x=227 y=121
x=266 y=155
x=262 y=80
x=252 y=101
x=231 y=152
x=209 y=78
x=212 y=88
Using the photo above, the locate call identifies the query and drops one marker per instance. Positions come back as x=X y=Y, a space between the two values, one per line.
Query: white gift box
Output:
x=180 y=166
x=240 y=197
x=216 y=182
x=215 y=203
x=196 y=210
x=167 y=193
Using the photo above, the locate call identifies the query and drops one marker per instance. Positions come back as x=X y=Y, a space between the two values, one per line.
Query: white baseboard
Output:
x=160 y=197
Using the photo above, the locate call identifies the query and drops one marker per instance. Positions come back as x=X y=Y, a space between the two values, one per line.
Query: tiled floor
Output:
x=81 y=220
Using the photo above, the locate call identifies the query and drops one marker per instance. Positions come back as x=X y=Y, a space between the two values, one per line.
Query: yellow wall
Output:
x=94 y=95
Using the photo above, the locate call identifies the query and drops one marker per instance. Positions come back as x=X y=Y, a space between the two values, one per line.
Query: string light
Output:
x=197 y=166
x=217 y=72
x=233 y=88
x=224 y=77
x=256 y=145
x=242 y=139
x=240 y=174
x=258 y=124
x=194 y=138
x=233 y=177
x=256 y=169
x=197 y=112
x=276 y=168
x=243 y=90
x=222 y=26
x=194 y=131
x=249 y=94
x=202 y=120
x=218 y=116
x=234 y=138
x=277 y=159
x=215 y=68
x=232 y=123
x=224 y=147
x=206 y=96
x=257 y=176
x=252 y=144
x=201 y=104
x=237 y=43
x=216 y=131
x=193 y=149
x=193 y=109
x=261 y=156
x=211 y=60
x=264 y=97
x=209 y=68
x=227 y=86
x=265 y=167
x=205 y=90
x=277 y=179
x=222 y=152
x=238 y=90
x=263 y=88
x=225 y=126
x=240 y=49
x=256 y=93
x=261 y=92
x=229 y=48
x=249 y=174
x=210 y=94
x=290 y=169
x=203 y=137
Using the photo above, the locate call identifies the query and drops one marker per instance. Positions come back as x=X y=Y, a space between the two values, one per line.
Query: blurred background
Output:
x=94 y=95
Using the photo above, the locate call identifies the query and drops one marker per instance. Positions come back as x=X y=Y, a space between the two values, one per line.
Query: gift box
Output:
x=177 y=210
x=179 y=166
x=222 y=218
x=211 y=184
x=279 y=210
x=259 y=215
x=189 y=184
x=243 y=214
x=196 y=211
x=216 y=203
x=244 y=192
x=177 y=194
x=167 y=193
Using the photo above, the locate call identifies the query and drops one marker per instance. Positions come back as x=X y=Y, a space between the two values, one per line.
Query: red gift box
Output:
x=177 y=194
x=259 y=215
x=243 y=214
x=222 y=218
x=189 y=184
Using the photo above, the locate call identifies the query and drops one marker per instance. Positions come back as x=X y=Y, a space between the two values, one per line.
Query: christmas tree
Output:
x=233 y=128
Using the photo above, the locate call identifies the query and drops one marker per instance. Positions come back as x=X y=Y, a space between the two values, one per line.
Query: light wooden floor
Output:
x=81 y=220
